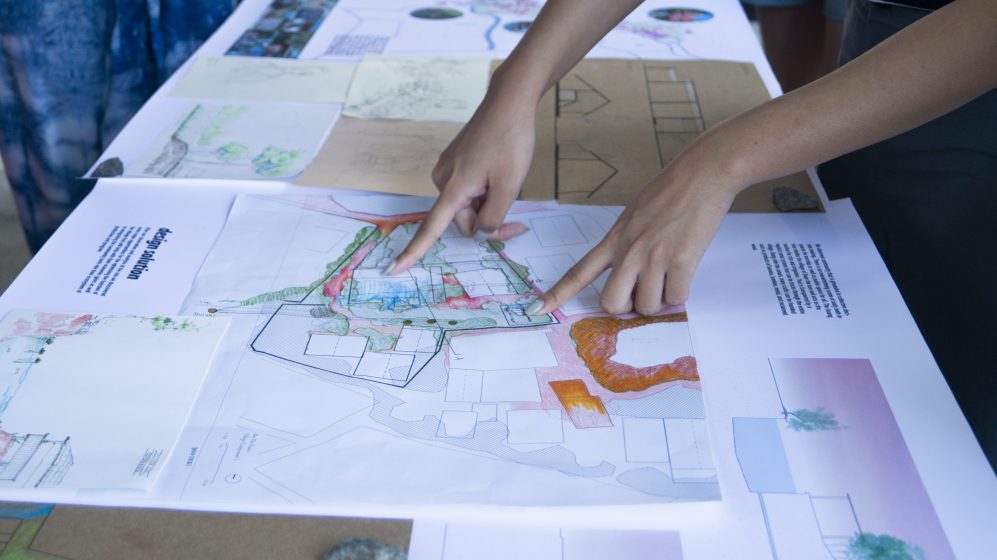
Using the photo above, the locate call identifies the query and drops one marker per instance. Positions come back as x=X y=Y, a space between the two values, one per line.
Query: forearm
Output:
x=935 y=65
x=563 y=32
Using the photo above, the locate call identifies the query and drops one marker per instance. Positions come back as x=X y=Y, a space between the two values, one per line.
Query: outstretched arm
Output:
x=479 y=175
x=937 y=64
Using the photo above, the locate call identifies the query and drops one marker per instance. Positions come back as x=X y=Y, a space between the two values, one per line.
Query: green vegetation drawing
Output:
x=161 y=323
x=355 y=321
x=870 y=546
x=236 y=142
x=275 y=162
x=811 y=420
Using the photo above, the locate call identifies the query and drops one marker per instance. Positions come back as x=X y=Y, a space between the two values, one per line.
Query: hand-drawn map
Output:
x=434 y=386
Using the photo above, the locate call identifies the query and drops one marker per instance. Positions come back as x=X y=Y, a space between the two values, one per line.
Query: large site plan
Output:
x=434 y=386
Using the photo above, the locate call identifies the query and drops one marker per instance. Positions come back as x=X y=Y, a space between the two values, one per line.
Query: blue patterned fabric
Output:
x=72 y=73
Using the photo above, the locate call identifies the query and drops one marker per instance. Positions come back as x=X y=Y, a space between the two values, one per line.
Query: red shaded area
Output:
x=5 y=439
x=51 y=324
x=334 y=285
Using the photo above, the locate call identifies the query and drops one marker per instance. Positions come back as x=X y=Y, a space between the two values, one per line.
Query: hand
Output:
x=479 y=176
x=655 y=245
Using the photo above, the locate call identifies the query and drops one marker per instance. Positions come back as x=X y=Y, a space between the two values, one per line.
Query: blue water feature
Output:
x=762 y=456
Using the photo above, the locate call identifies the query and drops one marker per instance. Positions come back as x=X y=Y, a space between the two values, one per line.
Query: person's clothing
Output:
x=72 y=73
x=929 y=200
x=920 y=4
x=833 y=9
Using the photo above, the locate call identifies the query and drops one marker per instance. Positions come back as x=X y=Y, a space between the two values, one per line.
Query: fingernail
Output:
x=391 y=267
x=535 y=307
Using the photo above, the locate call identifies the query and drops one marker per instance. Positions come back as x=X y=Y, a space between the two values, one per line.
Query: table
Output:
x=954 y=474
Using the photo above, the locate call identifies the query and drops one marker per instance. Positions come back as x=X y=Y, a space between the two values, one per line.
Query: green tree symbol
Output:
x=869 y=546
x=811 y=420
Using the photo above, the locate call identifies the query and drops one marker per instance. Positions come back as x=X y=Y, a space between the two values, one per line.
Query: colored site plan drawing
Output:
x=131 y=382
x=434 y=386
x=831 y=471
x=495 y=26
x=217 y=141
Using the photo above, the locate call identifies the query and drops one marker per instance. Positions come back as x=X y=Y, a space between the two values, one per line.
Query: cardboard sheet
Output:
x=95 y=533
x=390 y=156
x=602 y=134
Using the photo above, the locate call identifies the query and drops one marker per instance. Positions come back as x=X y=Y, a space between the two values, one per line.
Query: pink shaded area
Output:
x=333 y=287
x=328 y=205
x=5 y=439
x=50 y=324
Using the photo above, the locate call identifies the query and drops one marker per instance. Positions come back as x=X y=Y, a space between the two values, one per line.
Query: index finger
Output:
x=574 y=280
x=436 y=222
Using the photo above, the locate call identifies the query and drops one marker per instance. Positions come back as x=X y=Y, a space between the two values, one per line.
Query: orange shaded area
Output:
x=595 y=340
x=585 y=410
x=569 y=388
x=591 y=404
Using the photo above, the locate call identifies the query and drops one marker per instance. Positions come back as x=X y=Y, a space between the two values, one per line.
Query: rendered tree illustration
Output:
x=869 y=546
x=161 y=323
x=811 y=420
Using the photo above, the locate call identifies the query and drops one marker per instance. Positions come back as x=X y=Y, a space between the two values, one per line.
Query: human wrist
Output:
x=718 y=160
x=517 y=84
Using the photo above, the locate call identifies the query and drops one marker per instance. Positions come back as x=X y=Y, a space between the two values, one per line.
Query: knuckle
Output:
x=647 y=308
x=614 y=307
x=683 y=260
x=676 y=295
x=675 y=300
x=487 y=223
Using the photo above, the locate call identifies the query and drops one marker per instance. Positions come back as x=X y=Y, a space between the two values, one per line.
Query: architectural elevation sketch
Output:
x=437 y=371
x=831 y=471
x=603 y=132
x=130 y=382
x=220 y=141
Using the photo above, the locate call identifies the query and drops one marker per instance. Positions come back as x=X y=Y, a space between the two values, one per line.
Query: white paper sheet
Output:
x=86 y=267
x=434 y=88
x=437 y=369
x=96 y=401
x=216 y=141
x=435 y=540
x=734 y=339
x=265 y=79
